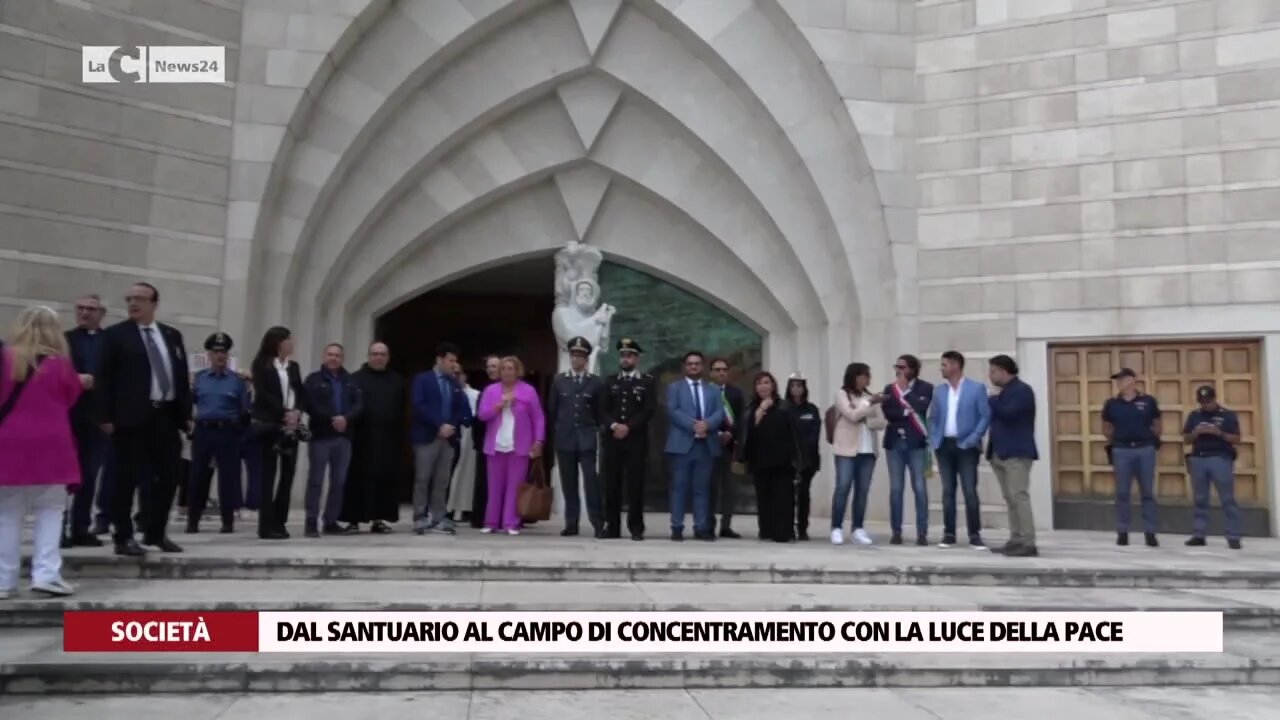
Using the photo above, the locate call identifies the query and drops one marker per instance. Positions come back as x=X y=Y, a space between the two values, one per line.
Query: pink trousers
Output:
x=507 y=472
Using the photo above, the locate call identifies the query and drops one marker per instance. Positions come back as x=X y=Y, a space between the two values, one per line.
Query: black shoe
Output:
x=705 y=537
x=1195 y=542
x=600 y=534
x=728 y=534
x=947 y=541
x=1122 y=539
x=977 y=544
x=86 y=540
x=1233 y=544
x=637 y=537
x=1151 y=540
x=569 y=532
x=284 y=534
x=1003 y=549
x=336 y=529
x=381 y=528
x=227 y=528
x=677 y=536
x=922 y=541
x=896 y=539
x=164 y=544
x=802 y=536
x=130 y=548
x=1021 y=551
x=273 y=535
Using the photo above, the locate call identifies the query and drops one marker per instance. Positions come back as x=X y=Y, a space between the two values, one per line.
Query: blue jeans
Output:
x=901 y=459
x=1220 y=471
x=852 y=473
x=959 y=465
x=1131 y=464
x=692 y=471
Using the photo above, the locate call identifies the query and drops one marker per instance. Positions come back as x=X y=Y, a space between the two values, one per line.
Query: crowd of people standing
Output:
x=102 y=413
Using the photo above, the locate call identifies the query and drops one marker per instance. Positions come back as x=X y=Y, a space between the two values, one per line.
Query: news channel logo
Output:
x=154 y=64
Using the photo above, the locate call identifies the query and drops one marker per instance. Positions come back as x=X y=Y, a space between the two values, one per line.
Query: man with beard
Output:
x=378 y=447
x=492 y=364
x=629 y=400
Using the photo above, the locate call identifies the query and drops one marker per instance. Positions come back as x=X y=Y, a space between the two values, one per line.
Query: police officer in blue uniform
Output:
x=1213 y=433
x=1131 y=422
x=221 y=400
x=574 y=408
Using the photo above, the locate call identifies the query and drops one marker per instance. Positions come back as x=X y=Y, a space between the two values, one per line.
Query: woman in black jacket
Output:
x=768 y=447
x=808 y=432
x=277 y=427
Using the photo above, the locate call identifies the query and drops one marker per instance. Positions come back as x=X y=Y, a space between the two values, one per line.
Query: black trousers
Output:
x=623 y=466
x=775 y=502
x=480 y=491
x=802 y=500
x=724 y=489
x=273 y=512
x=148 y=460
x=219 y=445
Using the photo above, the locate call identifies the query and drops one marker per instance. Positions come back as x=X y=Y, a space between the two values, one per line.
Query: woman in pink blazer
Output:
x=38 y=461
x=515 y=429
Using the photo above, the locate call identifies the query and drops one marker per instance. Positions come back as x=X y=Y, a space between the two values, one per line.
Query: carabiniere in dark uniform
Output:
x=630 y=399
x=221 y=399
x=575 y=416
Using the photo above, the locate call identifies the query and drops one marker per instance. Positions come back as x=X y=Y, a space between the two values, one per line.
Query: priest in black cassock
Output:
x=371 y=494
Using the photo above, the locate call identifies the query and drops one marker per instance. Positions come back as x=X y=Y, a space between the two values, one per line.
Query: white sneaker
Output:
x=861 y=537
x=57 y=588
x=513 y=532
x=837 y=536
x=485 y=531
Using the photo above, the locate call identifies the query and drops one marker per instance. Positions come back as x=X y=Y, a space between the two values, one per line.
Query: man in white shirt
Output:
x=958 y=420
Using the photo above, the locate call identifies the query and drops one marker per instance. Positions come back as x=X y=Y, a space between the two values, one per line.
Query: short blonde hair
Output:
x=515 y=363
x=36 y=332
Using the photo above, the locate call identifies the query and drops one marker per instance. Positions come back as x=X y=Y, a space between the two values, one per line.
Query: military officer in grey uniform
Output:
x=630 y=399
x=575 y=415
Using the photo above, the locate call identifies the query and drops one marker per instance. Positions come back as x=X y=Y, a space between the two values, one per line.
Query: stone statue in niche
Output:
x=578 y=311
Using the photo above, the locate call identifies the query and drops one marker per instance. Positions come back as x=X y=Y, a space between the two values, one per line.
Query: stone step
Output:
x=870 y=567
x=32 y=662
x=1242 y=608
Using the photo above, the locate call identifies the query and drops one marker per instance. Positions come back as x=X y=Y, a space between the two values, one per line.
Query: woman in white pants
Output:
x=38 y=462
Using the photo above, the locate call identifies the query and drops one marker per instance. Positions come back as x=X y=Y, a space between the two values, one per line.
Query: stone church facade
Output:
x=1084 y=184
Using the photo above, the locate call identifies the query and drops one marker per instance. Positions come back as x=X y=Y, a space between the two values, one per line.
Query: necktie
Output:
x=158 y=368
x=697 y=398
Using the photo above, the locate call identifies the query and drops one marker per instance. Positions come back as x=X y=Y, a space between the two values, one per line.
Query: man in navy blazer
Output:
x=695 y=412
x=1011 y=451
x=958 y=418
x=440 y=411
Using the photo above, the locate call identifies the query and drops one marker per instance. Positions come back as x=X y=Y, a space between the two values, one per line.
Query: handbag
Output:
x=533 y=502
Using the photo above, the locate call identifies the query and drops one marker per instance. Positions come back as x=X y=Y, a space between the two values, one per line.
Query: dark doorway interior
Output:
x=504 y=311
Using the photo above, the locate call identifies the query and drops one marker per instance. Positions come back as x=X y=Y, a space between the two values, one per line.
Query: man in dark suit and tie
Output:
x=143 y=400
x=85 y=343
x=696 y=412
x=575 y=413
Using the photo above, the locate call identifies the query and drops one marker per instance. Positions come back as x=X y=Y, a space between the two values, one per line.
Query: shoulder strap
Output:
x=18 y=387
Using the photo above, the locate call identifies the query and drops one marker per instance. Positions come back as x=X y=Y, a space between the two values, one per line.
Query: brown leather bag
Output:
x=534 y=500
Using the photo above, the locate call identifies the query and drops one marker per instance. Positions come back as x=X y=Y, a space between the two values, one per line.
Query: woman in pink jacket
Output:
x=38 y=462
x=515 y=429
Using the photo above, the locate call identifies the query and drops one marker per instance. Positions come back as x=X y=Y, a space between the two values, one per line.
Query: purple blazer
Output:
x=531 y=425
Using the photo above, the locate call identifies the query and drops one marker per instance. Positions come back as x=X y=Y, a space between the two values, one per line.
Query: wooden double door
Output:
x=1083 y=483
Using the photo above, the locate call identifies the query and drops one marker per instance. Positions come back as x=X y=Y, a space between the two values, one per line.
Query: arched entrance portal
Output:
x=506 y=310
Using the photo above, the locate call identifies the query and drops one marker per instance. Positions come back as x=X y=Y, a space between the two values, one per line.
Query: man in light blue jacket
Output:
x=958 y=419
x=695 y=411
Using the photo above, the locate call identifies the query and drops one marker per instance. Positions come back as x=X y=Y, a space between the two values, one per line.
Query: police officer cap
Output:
x=629 y=345
x=579 y=345
x=1124 y=373
x=218 y=341
x=1206 y=392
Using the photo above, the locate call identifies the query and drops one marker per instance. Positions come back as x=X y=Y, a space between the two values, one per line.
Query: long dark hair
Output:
x=755 y=397
x=804 y=390
x=851 y=375
x=269 y=349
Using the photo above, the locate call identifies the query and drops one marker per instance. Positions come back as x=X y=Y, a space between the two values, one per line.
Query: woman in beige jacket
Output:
x=859 y=419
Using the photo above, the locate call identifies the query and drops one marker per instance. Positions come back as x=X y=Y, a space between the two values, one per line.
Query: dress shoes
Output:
x=130 y=548
x=164 y=544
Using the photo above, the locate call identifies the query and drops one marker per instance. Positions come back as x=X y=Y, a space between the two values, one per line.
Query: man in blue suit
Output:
x=695 y=411
x=958 y=418
x=440 y=410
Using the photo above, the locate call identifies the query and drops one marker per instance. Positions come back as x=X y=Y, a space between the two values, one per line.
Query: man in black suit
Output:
x=143 y=400
x=85 y=343
x=723 y=490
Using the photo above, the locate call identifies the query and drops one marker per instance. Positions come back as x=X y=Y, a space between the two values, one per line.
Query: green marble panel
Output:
x=669 y=321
